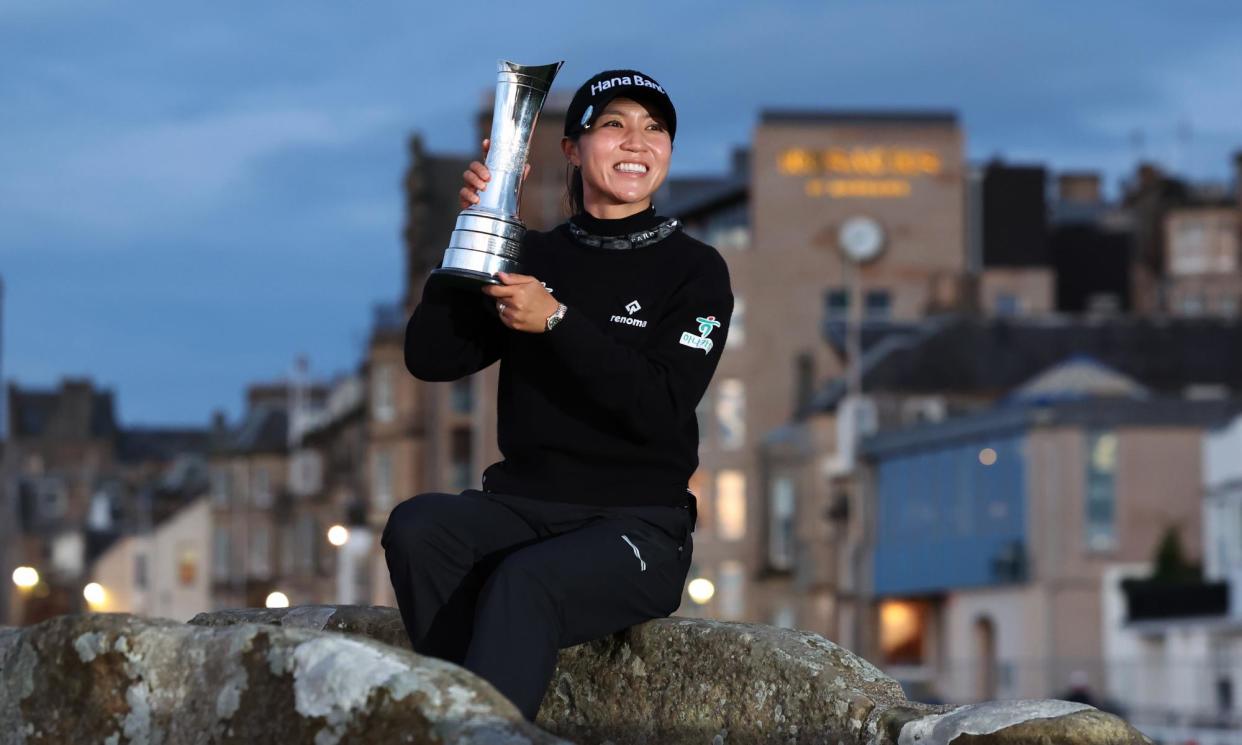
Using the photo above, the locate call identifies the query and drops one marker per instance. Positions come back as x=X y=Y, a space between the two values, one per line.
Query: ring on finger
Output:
x=500 y=307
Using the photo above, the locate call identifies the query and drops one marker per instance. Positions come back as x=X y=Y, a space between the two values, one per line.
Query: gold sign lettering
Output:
x=846 y=188
x=859 y=161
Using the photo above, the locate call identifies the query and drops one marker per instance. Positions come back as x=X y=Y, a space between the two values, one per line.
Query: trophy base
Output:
x=463 y=278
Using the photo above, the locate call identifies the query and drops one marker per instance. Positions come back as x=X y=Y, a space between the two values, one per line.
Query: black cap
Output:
x=595 y=94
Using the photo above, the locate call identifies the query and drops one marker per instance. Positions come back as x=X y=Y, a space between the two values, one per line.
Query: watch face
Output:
x=861 y=238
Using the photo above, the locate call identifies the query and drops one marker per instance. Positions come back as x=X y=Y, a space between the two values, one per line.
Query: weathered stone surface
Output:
x=116 y=678
x=372 y=621
x=676 y=680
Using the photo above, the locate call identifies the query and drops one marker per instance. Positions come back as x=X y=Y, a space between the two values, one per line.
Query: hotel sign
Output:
x=840 y=172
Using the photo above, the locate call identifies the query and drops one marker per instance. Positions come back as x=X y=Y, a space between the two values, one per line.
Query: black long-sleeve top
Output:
x=601 y=409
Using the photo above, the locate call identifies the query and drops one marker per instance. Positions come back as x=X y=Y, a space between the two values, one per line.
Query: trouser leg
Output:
x=439 y=549
x=581 y=585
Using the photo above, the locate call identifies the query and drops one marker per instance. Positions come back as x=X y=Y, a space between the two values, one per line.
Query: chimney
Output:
x=1082 y=187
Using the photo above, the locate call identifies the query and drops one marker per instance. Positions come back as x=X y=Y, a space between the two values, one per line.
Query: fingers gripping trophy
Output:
x=488 y=236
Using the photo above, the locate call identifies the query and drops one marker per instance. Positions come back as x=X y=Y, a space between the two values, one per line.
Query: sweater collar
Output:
x=639 y=221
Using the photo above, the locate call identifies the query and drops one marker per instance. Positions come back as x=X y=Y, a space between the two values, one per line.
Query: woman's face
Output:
x=623 y=156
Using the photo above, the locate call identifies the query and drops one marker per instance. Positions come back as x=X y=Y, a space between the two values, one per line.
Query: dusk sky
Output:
x=192 y=196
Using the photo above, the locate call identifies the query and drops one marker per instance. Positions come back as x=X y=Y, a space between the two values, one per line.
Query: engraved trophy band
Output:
x=488 y=236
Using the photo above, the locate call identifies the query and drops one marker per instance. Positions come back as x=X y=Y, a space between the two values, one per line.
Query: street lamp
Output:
x=701 y=590
x=25 y=577
x=338 y=535
x=95 y=595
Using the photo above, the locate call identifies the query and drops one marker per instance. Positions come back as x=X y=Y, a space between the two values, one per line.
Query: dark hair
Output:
x=573 y=187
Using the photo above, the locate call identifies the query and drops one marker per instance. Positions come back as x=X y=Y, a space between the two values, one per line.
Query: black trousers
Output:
x=498 y=583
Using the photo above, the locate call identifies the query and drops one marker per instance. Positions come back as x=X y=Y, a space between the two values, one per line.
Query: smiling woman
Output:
x=584 y=528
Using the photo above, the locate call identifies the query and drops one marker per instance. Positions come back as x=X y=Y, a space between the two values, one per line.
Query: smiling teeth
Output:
x=632 y=167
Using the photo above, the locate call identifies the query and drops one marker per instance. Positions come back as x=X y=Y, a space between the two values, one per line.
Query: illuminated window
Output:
x=382 y=407
x=1101 y=495
x=382 y=486
x=731 y=504
x=781 y=524
x=731 y=413
x=903 y=627
x=732 y=590
x=700 y=482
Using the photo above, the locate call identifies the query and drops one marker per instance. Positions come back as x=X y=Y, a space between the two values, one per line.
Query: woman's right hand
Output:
x=476 y=178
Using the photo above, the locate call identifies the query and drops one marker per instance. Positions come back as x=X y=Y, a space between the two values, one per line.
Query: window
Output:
x=221 y=486
x=731 y=504
x=781 y=524
x=382 y=406
x=1008 y=304
x=1101 y=495
x=877 y=305
x=53 y=499
x=837 y=304
x=262 y=487
x=307 y=543
x=700 y=482
x=382 y=489
x=288 y=549
x=732 y=592
x=260 y=551
x=700 y=414
x=903 y=628
x=187 y=564
x=220 y=553
x=737 y=324
x=462 y=395
x=731 y=413
x=460 y=468
x=140 y=571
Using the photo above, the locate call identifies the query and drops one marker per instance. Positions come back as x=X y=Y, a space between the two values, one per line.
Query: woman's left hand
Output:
x=522 y=302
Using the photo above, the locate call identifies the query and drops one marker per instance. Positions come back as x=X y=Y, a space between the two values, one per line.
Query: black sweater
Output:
x=601 y=409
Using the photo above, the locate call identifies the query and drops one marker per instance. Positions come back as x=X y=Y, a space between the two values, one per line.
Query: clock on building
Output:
x=861 y=238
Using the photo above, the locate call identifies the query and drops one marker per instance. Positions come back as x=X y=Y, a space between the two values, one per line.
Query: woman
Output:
x=606 y=347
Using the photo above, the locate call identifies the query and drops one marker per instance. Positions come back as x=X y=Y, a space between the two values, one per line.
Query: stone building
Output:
x=73 y=481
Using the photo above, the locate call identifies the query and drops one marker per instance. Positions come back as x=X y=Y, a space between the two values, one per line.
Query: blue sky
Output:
x=191 y=196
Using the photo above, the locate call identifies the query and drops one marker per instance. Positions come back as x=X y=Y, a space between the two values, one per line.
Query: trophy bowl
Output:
x=487 y=238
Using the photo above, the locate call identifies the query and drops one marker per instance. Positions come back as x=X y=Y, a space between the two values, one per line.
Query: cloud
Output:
x=166 y=170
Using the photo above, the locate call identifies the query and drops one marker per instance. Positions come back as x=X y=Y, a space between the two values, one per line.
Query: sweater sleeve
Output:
x=653 y=390
x=451 y=334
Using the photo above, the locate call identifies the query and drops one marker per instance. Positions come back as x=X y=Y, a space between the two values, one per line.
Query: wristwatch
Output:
x=556 y=316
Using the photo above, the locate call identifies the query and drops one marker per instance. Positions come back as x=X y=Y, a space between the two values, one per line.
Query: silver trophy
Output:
x=488 y=236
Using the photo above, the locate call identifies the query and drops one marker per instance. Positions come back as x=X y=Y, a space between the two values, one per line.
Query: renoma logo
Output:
x=706 y=326
x=631 y=307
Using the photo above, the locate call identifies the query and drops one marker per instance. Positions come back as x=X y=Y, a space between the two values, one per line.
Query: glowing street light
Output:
x=95 y=595
x=277 y=599
x=701 y=590
x=338 y=535
x=25 y=577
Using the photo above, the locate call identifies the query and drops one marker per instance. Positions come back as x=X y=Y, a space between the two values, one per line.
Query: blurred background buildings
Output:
x=996 y=452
